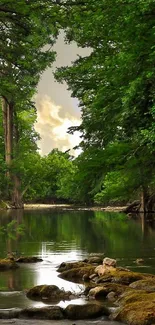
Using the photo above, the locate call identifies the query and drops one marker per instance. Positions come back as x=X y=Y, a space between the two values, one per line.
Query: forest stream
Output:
x=58 y=236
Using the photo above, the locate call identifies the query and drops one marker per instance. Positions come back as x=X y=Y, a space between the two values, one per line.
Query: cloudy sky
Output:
x=56 y=109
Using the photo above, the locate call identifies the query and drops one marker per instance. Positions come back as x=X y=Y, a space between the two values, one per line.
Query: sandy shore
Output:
x=73 y=207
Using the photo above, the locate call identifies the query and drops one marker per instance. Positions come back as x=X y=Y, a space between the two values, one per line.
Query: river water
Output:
x=58 y=236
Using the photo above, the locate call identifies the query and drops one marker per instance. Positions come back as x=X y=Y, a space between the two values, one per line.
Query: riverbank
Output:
x=70 y=207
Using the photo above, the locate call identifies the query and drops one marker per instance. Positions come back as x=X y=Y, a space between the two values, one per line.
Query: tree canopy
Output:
x=115 y=88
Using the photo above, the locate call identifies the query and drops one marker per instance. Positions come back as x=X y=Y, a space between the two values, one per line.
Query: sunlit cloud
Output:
x=52 y=127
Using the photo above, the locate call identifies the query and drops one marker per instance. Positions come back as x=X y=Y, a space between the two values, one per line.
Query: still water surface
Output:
x=58 y=236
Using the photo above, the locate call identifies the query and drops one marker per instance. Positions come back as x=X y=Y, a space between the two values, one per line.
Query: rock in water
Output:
x=85 y=311
x=48 y=292
x=51 y=312
x=7 y=264
x=28 y=259
x=109 y=262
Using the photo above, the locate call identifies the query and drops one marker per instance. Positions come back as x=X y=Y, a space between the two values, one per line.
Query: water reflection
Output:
x=72 y=235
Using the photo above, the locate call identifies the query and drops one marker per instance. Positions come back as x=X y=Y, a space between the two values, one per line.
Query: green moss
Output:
x=137 y=313
x=147 y=285
x=6 y=264
x=137 y=309
x=77 y=273
x=136 y=296
x=68 y=266
x=48 y=292
x=124 y=277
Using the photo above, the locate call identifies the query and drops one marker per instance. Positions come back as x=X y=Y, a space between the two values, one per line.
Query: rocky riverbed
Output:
x=112 y=294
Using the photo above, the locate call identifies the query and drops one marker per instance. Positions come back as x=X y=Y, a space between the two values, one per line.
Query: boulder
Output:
x=28 y=259
x=147 y=285
x=95 y=260
x=68 y=266
x=78 y=274
x=136 y=309
x=108 y=265
x=50 y=312
x=103 y=290
x=117 y=275
x=109 y=262
x=103 y=269
x=139 y=261
x=90 y=310
x=127 y=277
x=48 y=293
x=7 y=264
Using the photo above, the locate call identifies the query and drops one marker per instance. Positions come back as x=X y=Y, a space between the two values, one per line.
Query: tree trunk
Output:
x=9 y=125
x=17 y=201
x=143 y=200
x=146 y=201
x=8 y=134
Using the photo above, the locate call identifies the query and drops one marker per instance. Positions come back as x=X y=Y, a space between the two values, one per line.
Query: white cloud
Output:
x=52 y=127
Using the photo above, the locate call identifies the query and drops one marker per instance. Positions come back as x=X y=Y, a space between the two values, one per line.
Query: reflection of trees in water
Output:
x=123 y=237
x=11 y=230
x=112 y=233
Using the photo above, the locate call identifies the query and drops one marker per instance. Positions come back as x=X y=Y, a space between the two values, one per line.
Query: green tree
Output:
x=115 y=88
x=26 y=27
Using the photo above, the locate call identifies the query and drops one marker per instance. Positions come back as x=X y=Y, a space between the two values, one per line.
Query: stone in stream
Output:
x=148 y=285
x=49 y=293
x=108 y=265
x=136 y=308
x=109 y=262
x=139 y=261
x=90 y=310
x=50 y=312
x=7 y=264
x=77 y=273
x=28 y=259
x=94 y=260
x=72 y=265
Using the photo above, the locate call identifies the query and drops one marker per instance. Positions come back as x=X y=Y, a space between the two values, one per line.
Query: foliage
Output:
x=44 y=176
x=115 y=88
x=12 y=229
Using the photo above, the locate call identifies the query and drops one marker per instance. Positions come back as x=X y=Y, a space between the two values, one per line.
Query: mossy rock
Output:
x=68 y=266
x=102 y=291
x=48 y=293
x=28 y=259
x=7 y=264
x=137 y=309
x=132 y=296
x=95 y=260
x=78 y=274
x=51 y=312
x=123 y=277
x=85 y=311
x=147 y=285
